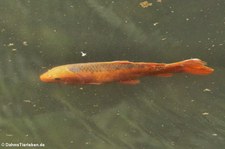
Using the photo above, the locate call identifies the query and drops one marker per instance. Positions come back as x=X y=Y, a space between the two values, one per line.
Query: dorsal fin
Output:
x=122 y=62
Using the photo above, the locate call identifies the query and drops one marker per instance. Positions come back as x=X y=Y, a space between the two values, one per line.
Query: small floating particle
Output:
x=187 y=19
x=215 y=134
x=205 y=113
x=159 y=1
x=13 y=50
x=27 y=101
x=9 y=135
x=118 y=113
x=83 y=54
x=10 y=44
x=163 y=38
x=207 y=90
x=156 y=23
x=25 y=43
x=145 y=4
x=71 y=141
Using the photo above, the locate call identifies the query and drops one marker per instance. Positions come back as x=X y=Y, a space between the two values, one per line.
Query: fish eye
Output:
x=57 y=79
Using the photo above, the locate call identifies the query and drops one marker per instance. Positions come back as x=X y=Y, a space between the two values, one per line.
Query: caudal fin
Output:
x=195 y=66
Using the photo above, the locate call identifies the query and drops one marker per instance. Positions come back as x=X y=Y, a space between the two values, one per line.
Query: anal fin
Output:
x=130 y=82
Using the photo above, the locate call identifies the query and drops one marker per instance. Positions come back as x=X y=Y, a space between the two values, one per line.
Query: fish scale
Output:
x=100 y=67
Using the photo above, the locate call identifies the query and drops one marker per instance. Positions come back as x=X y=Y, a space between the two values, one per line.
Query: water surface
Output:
x=183 y=111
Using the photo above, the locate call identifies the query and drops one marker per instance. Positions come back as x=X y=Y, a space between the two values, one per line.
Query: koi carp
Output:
x=125 y=72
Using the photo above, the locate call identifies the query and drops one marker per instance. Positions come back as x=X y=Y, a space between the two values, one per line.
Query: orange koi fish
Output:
x=121 y=71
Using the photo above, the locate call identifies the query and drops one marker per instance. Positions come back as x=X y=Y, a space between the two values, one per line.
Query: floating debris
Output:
x=163 y=38
x=145 y=4
x=215 y=134
x=205 y=113
x=83 y=54
x=159 y=1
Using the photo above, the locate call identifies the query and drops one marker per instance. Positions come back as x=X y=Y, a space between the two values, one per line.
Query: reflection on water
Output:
x=179 y=112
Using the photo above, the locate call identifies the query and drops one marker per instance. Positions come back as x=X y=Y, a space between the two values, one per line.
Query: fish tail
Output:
x=193 y=66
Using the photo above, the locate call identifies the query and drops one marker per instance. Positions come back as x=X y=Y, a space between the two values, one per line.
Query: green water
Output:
x=181 y=112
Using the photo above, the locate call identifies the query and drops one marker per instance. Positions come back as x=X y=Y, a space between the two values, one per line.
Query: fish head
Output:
x=58 y=74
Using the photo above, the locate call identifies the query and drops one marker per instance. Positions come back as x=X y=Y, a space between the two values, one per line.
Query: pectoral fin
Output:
x=130 y=82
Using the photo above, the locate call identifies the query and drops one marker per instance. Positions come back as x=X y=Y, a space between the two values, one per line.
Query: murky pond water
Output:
x=183 y=111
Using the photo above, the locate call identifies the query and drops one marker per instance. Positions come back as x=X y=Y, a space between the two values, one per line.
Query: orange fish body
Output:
x=120 y=71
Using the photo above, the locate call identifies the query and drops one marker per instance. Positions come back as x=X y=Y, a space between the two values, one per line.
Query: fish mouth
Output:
x=45 y=78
